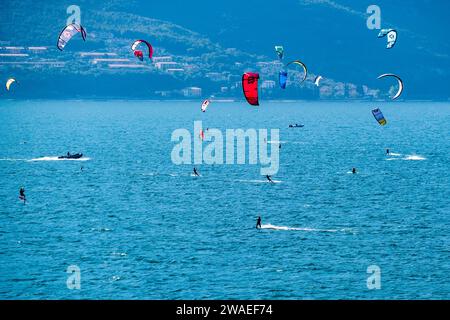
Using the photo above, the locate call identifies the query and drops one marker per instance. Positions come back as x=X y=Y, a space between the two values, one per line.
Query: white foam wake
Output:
x=194 y=175
x=11 y=159
x=411 y=157
x=57 y=159
x=414 y=157
x=260 y=181
x=284 y=228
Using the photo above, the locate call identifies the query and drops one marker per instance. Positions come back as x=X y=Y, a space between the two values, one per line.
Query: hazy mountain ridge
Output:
x=214 y=66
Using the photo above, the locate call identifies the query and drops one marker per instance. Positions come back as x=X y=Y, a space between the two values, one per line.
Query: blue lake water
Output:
x=140 y=227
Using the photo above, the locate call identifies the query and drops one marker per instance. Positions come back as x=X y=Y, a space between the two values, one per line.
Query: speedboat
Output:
x=71 y=156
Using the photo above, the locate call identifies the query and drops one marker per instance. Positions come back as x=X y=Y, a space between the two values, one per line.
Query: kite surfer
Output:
x=270 y=179
x=196 y=173
x=22 y=194
x=387 y=152
x=258 y=223
x=354 y=170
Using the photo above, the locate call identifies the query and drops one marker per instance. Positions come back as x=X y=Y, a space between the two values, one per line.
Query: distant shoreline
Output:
x=222 y=100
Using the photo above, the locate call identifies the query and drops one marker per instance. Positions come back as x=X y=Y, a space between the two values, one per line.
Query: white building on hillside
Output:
x=191 y=92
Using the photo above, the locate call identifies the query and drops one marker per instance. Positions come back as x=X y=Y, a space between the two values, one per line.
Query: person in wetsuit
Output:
x=196 y=173
x=258 y=223
x=22 y=194
x=387 y=152
x=354 y=170
x=269 y=178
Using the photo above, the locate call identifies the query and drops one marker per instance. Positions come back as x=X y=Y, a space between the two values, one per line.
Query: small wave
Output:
x=284 y=228
x=394 y=154
x=276 y=142
x=119 y=254
x=150 y=174
x=299 y=142
x=57 y=159
x=101 y=229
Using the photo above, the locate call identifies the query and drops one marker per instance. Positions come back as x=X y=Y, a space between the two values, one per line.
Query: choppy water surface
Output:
x=139 y=226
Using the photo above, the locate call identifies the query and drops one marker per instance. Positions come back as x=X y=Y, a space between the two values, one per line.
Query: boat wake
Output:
x=57 y=159
x=11 y=159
